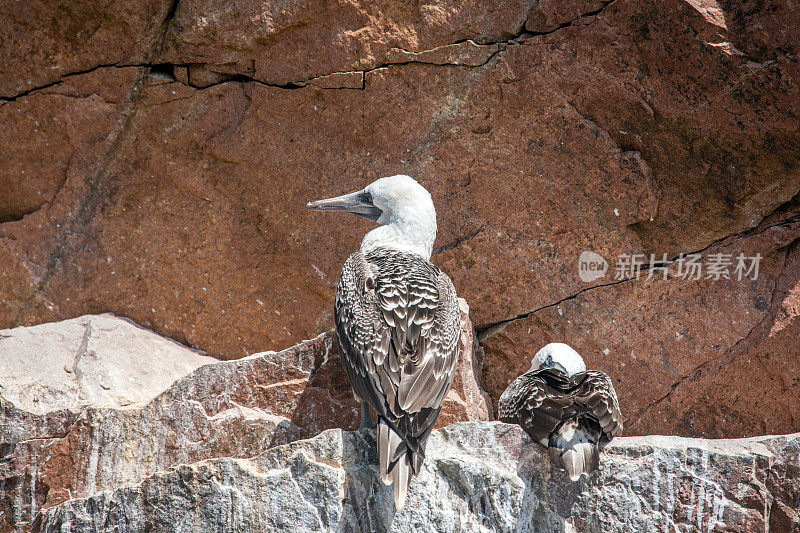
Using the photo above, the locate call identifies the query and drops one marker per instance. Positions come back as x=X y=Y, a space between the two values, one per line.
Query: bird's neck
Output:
x=414 y=236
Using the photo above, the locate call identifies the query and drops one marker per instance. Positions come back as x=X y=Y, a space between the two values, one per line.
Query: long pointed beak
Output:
x=346 y=202
x=358 y=203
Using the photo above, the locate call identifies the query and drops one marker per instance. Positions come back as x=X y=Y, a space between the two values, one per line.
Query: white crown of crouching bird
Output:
x=397 y=321
x=561 y=356
x=567 y=409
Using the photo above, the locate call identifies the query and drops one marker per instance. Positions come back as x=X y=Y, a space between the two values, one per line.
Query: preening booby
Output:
x=569 y=410
x=398 y=322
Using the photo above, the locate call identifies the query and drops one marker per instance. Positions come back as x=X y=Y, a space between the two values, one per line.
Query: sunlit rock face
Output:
x=156 y=160
x=97 y=402
x=157 y=157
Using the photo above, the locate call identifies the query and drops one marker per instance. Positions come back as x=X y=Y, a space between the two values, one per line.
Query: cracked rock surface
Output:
x=477 y=476
x=157 y=159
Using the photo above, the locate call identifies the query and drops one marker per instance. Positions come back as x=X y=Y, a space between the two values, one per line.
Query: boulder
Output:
x=52 y=374
x=97 y=360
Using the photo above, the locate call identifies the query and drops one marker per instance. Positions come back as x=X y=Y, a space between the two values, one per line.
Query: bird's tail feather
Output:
x=580 y=458
x=385 y=450
x=400 y=474
x=574 y=445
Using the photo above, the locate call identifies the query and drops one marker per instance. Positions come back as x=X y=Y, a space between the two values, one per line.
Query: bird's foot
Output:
x=366 y=418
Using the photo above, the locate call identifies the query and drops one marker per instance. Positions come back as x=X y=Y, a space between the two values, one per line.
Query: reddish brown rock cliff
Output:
x=157 y=159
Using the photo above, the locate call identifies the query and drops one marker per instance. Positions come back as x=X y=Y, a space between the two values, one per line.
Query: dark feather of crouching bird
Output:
x=572 y=416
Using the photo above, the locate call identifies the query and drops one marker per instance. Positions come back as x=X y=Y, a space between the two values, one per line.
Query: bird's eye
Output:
x=367 y=197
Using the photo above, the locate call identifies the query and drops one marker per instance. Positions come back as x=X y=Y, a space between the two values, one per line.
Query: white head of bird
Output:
x=561 y=356
x=402 y=207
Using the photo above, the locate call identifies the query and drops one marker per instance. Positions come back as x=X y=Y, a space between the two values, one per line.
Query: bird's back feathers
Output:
x=572 y=416
x=398 y=324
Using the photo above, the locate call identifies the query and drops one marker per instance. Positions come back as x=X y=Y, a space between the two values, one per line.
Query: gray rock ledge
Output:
x=478 y=476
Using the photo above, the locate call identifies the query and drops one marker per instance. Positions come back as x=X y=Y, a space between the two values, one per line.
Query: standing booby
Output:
x=397 y=321
x=569 y=410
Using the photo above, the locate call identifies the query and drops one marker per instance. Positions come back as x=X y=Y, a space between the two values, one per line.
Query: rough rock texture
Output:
x=50 y=373
x=77 y=441
x=157 y=158
x=101 y=360
x=727 y=369
x=45 y=40
x=476 y=477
